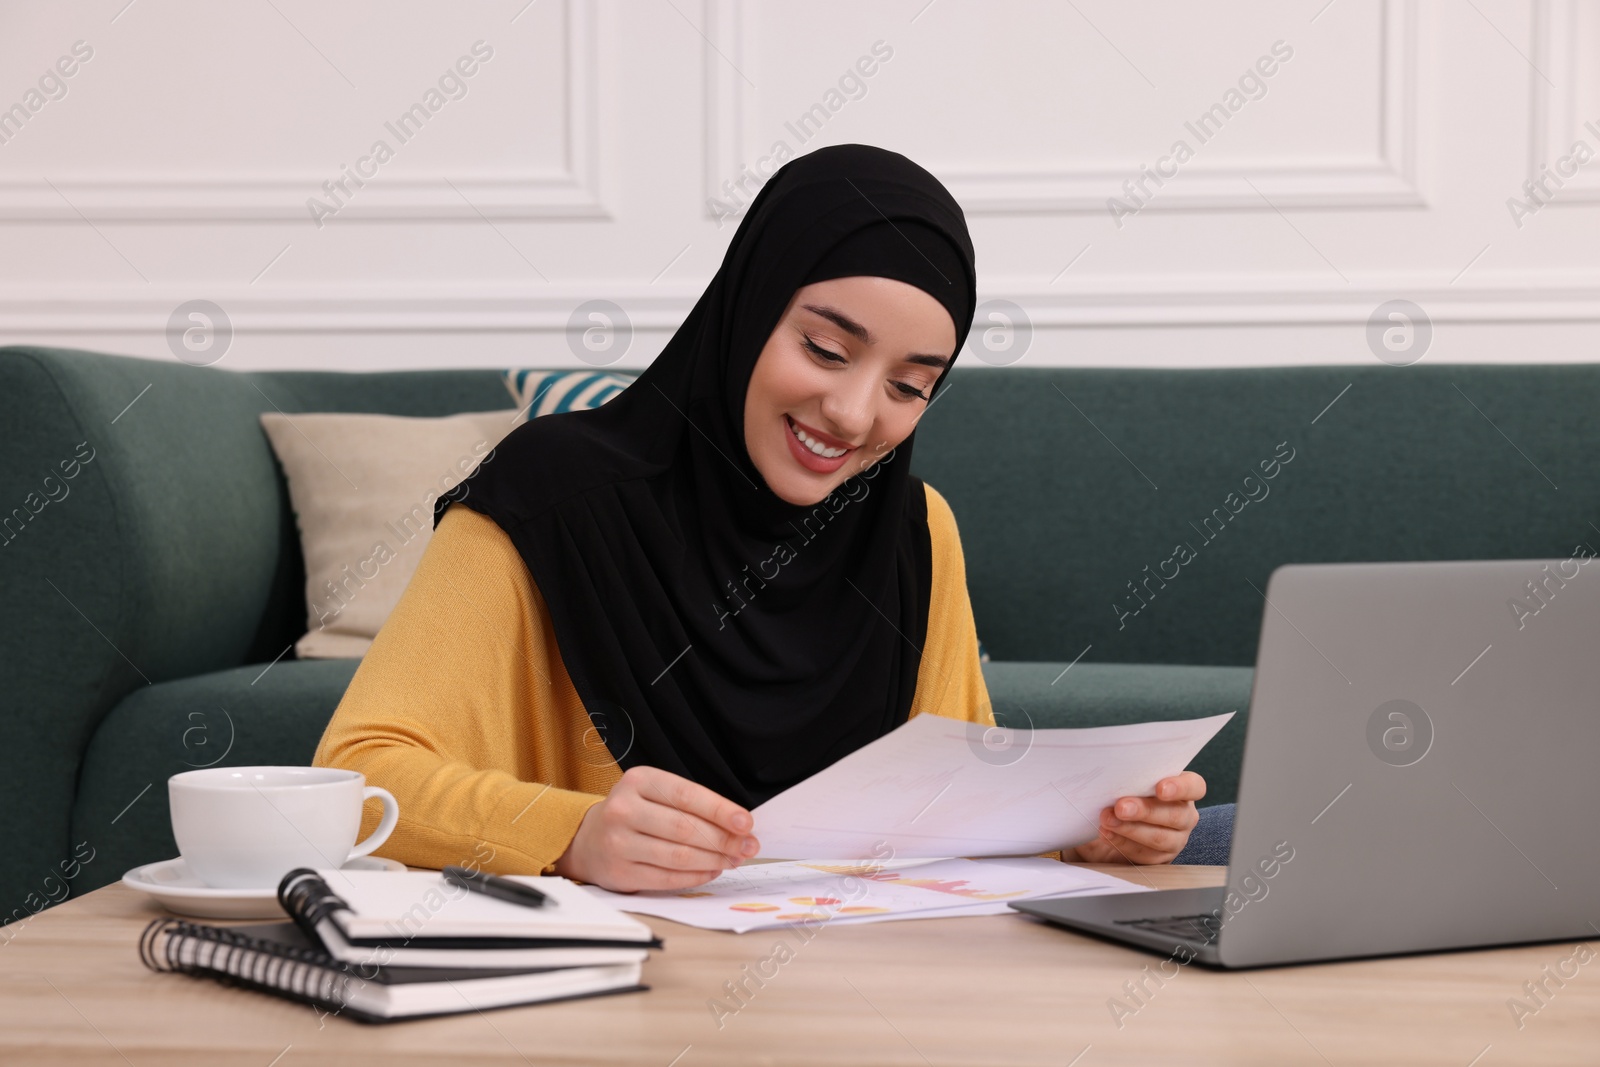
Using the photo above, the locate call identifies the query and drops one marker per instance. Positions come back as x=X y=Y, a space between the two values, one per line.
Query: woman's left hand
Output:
x=1150 y=829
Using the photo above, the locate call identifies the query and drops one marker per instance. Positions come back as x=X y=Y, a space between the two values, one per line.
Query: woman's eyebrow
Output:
x=841 y=320
x=861 y=333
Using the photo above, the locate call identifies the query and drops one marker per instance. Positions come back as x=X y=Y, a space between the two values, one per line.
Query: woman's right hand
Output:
x=657 y=830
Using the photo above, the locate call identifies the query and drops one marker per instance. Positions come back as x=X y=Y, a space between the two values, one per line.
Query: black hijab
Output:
x=711 y=628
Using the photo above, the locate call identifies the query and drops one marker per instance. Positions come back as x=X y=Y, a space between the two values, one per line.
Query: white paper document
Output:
x=761 y=896
x=941 y=787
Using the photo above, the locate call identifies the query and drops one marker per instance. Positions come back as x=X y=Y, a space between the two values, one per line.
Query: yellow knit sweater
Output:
x=463 y=710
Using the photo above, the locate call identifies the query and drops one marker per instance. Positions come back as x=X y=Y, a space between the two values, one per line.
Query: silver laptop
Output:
x=1420 y=772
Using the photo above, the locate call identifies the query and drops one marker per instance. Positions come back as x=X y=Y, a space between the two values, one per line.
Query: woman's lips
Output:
x=807 y=458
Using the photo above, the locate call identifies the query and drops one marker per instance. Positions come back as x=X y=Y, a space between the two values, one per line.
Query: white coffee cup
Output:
x=246 y=827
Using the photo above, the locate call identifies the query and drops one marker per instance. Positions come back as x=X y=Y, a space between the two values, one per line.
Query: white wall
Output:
x=1375 y=163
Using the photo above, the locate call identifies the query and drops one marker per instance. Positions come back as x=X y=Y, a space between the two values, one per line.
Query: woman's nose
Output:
x=849 y=409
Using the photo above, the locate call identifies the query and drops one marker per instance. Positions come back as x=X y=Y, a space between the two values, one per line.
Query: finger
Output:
x=1098 y=851
x=670 y=855
x=651 y=786
x=675 y=791
x=1156 y=839
x=672 y=824
x=1132 y=851
x=1111 y=847
x=1130 y=810
x=648 y=876
x=1185 y=786
x=1103 y=849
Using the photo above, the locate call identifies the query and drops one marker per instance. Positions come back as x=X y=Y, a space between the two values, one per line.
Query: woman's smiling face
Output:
x=841 y=381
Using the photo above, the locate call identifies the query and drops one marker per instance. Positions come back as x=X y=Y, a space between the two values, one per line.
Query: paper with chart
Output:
x=940 y=787
x=760 y=896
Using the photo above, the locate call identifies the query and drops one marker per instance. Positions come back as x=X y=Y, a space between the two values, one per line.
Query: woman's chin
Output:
x=802 y=497
x=797 y=488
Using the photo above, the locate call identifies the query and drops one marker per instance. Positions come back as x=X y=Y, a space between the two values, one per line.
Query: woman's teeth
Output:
x=814 y=445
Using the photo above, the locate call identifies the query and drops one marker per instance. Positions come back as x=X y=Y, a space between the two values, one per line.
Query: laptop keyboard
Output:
x=1201 y=929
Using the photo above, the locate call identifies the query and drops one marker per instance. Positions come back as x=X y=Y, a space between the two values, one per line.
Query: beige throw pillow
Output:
x=363 y=489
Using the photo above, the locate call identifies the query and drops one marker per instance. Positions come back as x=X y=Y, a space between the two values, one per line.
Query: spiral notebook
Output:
x=279 y=959
x=360 y=952
x=418 y=919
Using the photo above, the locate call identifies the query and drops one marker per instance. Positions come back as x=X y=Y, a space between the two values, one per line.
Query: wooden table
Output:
x=985 y=991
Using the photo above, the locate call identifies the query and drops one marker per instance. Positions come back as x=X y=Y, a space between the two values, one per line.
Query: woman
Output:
x=648 y=618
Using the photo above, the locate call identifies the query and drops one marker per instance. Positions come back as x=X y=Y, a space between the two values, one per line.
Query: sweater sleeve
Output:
x=463 y=710
x=950 y=680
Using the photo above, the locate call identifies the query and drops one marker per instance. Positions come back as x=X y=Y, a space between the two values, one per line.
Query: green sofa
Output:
x=152 y=593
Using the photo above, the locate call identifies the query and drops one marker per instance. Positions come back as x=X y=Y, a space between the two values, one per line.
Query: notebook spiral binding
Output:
x=235 y=958
x=306 y=898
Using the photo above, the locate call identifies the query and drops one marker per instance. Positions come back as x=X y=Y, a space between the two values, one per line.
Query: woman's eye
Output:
x=820 y=352
x=903 y=389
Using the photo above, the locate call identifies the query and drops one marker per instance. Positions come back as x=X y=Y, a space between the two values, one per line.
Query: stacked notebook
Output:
x=380 y=945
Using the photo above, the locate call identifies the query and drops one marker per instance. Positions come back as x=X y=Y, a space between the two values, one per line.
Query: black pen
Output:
x=492 y=885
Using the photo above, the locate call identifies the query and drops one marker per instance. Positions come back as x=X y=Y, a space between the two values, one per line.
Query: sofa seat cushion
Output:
x=1108 y=694
x=237 y=717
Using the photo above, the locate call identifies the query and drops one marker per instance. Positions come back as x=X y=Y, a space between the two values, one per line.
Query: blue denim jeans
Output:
x=1211 y=840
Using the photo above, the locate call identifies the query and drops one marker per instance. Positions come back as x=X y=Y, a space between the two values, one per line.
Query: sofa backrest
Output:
x=1073 y=488
x=1128 y=509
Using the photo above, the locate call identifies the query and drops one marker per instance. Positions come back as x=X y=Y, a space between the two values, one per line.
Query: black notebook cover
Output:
x=289 y=960
x=279 y=959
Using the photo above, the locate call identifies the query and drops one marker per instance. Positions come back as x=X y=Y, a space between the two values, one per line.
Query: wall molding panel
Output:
x=1566 y=57
x=571 y=191
x=1388 y=180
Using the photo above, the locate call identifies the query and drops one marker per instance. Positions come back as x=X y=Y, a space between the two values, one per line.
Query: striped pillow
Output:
x=548 y=392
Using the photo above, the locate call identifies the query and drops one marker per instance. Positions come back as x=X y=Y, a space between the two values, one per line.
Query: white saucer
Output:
x=177 y=889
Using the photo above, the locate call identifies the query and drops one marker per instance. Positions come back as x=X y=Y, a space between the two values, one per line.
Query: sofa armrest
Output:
x=141 y=523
